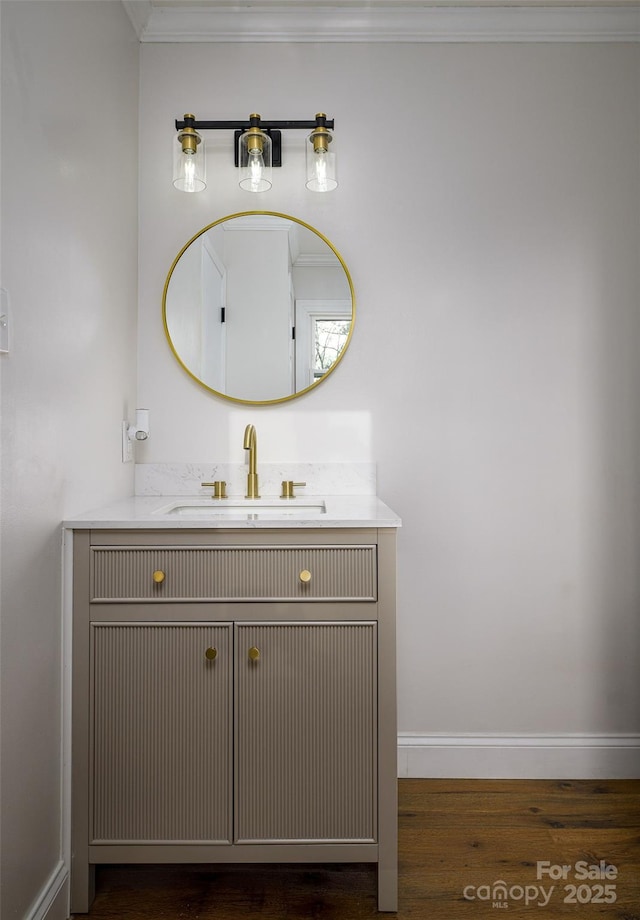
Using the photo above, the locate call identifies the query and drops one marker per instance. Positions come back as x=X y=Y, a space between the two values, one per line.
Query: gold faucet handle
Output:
x=219 y=488
x=288 y=486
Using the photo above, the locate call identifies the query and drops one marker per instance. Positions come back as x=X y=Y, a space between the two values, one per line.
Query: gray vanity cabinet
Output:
x=230 y=702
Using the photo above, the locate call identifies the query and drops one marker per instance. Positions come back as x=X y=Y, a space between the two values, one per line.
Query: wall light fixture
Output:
x=257 y=149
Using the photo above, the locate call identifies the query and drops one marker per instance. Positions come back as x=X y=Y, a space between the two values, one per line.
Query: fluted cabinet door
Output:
x=161 y=738
x=305 y=732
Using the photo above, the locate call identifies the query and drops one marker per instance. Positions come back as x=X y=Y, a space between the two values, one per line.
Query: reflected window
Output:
x=330 y=336
x=322 y=332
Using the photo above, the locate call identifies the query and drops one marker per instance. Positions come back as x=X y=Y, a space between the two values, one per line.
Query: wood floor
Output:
x=458 y=838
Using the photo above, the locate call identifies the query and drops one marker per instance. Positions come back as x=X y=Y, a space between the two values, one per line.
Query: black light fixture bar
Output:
x=244 y=125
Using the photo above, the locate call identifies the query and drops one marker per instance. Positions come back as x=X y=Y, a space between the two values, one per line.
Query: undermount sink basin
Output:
x=241 y=509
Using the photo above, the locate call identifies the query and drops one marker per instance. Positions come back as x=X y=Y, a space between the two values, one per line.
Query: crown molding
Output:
x=384 y=23
x=139 y=12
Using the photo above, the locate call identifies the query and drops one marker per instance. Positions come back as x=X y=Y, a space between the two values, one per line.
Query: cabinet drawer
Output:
x=266 y=573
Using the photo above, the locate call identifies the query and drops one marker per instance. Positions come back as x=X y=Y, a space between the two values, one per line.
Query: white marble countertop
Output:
x=269 y=512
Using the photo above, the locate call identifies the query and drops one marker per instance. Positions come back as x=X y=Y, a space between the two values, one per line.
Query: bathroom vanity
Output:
x=233 y=687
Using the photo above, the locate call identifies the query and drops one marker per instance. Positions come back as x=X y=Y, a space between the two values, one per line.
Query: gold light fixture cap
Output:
x=189 y=140
x=255 y=139
x=254 y=135
x=189 y=137
x=320 y=137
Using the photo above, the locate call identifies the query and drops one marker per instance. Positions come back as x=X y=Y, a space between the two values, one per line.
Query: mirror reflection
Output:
x=258 y=307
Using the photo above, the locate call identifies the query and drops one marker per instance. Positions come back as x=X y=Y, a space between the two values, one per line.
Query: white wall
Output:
x=493 y=237
x=69 y=262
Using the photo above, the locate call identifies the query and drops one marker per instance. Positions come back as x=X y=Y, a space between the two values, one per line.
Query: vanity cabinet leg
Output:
x=387 y=889
x=387 y=728
x=83 y=887
x=83 y=874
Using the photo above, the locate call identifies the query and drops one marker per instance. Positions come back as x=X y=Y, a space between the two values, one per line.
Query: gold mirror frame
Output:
x=282 y=399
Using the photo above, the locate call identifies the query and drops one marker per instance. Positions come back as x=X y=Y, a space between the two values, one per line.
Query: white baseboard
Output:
x=53 y=901
x=510 y=756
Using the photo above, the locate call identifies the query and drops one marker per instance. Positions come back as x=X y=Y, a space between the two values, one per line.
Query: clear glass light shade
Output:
x=254 y=157
x=321 y=168
x=189 y=168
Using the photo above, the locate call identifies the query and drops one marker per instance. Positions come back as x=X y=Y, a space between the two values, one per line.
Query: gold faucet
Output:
x=251 y=444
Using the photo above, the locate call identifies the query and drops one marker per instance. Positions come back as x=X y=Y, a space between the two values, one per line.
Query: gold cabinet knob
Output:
x=254 y=653
x=211 y=654
x=305 y=576
x=159 y=576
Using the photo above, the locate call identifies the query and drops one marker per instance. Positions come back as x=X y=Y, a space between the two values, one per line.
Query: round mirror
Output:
x=258 y=307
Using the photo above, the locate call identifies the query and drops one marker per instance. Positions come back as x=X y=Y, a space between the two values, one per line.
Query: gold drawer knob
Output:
x=211 y=654
x=254 y=653
x=159 y=576
x=305 y=576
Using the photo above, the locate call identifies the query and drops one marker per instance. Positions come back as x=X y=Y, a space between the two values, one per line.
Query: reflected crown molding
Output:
x=261 y=222
x=315 y=260
x=359 y=21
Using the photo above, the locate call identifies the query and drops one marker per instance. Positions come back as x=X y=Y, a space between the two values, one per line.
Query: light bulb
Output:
x=256 y=175
x=189 y=173
x=320 y=167
x=256 y=169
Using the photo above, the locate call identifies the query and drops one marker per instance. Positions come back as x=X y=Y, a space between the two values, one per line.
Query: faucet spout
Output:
x=250 y=443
